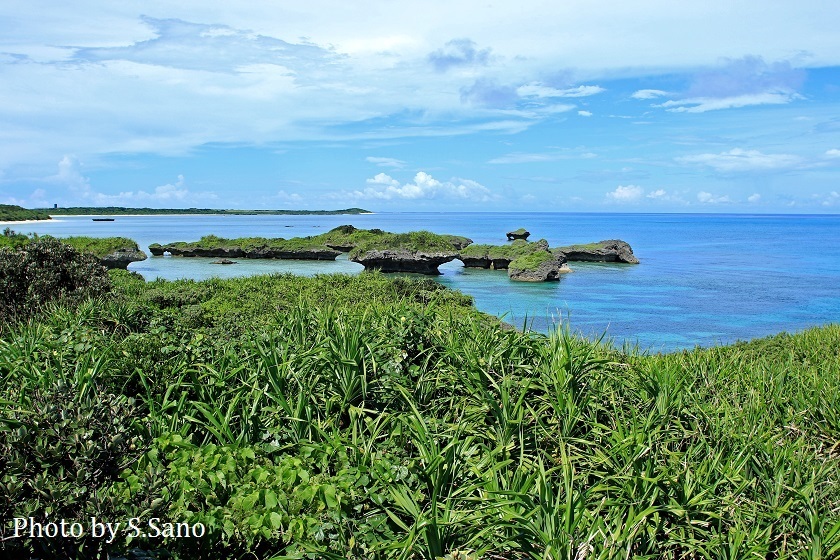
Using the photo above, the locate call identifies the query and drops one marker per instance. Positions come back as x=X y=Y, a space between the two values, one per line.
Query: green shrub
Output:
x=46 y=270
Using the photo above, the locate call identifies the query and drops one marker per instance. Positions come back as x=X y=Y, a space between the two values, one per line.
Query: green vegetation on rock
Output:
x=531 y=261
x=100 y=246
x=414 y=241
x=13 y=213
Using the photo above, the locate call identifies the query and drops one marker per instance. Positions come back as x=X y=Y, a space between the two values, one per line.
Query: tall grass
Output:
x=343 y=417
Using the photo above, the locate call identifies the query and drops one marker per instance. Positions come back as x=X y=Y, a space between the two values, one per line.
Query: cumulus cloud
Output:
x=831 y=199
x=424 y=186
x=739 y=160
x=169 y=193
x=459 y=52
x=708 y=198
x=648 y=94
x=625 y=194
x=753 y=198
x=288 y=197
x=70 y=176
x=658 y=193
x=386 y=162
x=832 y=153
x=584 y=113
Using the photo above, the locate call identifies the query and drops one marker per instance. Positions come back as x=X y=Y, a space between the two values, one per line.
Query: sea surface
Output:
x=704 y=279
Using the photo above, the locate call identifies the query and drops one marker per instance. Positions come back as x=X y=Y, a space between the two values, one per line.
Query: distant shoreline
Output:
x=124 y=211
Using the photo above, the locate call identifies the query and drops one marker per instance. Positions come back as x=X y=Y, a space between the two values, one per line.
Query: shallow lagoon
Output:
x=703 y=279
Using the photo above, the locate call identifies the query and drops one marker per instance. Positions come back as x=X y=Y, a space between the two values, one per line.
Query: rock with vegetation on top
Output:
x=417 y=251
x=249 y=248
x=520 y=233
x=499 y=257
x=121 y=258
x=610 y=250
x=539 y=266
x=223 y=261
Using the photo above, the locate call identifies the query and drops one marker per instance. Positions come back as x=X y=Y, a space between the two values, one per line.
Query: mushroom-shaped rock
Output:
x=520 y=233
x=404 y=260
x=610 y=250
x=121 y=258
x=541 y=266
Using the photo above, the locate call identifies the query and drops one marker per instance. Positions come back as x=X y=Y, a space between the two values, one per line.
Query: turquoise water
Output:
x=703 y=279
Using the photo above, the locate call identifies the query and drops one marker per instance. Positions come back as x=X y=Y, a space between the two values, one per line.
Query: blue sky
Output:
x=650 y=106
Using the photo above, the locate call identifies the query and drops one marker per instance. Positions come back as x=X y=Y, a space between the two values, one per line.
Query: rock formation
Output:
x=404 y=260
x=549 y=269
x=121 y=258
x=610 y=250
x=520 y=233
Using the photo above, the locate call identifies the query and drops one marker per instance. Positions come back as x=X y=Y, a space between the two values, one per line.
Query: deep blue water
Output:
x=704 y=279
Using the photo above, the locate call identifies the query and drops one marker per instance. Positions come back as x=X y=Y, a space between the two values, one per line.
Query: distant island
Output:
x=14 y=213
x=123 y=211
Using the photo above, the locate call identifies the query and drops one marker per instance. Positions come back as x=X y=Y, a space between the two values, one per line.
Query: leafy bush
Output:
x=47 y=270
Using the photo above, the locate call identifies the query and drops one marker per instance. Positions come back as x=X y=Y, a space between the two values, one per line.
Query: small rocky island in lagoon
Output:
x=419 y=252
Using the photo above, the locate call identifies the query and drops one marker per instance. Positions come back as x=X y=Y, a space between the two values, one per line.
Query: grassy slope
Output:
x=368 y=417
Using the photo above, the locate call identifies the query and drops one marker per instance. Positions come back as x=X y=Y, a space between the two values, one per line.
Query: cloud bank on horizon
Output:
x=422 y=106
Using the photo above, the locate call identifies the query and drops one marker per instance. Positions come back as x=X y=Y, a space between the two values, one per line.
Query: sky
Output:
x=431 y=105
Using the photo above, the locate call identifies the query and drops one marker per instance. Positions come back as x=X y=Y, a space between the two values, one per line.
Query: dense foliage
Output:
x=11 y=213
x=123 y=211
x=364 y=417
x=44 y=270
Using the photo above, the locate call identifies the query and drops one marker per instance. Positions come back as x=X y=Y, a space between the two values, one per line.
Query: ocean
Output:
x=703 y=280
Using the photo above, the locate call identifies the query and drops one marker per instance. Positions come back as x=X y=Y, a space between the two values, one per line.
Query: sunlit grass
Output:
x=359 y=417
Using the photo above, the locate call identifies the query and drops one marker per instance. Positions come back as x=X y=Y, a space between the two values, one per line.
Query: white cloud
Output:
x=703 y=104
x=625 y=194
x=520 y=157
x=753 y=198
x=657 y=194
x=833 y=153
x=831 y=199
x=584 y=113
x=648 y=93
x=739 y=160
x=709 y=198
x=386 y=162
x=288 y=197
x=537 y=89
x=176 y=193
x=424 y=186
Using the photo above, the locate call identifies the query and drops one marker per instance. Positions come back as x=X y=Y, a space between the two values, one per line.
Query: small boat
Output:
x=103 y=219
